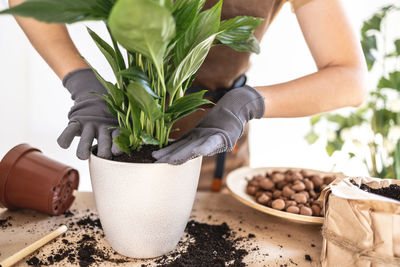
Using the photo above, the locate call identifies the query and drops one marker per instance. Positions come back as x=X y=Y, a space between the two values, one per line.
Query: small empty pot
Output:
x=29 y=179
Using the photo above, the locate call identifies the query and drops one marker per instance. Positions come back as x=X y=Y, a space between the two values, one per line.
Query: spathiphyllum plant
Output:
x=166 y=42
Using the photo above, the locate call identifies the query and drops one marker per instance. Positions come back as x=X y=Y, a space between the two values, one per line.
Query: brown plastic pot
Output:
x=29 y=179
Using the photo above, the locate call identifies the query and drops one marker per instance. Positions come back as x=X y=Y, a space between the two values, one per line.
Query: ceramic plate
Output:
x=236 y=183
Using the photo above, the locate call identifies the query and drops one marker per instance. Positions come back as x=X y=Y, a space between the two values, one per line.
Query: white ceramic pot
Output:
x=143 y=207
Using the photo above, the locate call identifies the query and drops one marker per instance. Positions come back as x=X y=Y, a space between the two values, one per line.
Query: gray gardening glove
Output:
x=218 y=130
x=89 y=117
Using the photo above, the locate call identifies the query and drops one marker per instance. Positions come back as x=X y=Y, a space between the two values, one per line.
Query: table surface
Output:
x=276 y=243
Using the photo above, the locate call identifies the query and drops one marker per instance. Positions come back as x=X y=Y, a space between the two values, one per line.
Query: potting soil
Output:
x=141 y=156
x=392 y=191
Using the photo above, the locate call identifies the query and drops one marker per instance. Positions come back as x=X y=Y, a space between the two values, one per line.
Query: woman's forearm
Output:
x=53 y=43
x=328 y=89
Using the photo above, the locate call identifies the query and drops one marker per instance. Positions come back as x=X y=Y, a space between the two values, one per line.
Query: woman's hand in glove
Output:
x=218 y=130
x=89 y=118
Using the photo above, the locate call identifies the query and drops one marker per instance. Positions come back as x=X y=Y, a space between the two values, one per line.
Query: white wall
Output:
x=34 y=105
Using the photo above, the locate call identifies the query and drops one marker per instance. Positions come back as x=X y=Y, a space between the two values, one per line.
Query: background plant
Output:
x=378 y=120
x=166 y=42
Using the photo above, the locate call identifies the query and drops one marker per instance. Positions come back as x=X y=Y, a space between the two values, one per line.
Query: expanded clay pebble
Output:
x=293 y=209
x=278 y=204
x=290 y=190
x=266 y=184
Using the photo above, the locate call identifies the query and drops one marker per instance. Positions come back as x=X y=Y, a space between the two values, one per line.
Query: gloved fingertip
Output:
x=83 y=155
x=63 y=143
x=158 y=154
x=115 y=150
x=104 y=154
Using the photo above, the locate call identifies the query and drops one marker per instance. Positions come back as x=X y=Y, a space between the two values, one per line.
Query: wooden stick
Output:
x=34 y=246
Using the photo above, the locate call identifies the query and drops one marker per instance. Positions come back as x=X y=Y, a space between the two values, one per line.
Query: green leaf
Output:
x=382 y=120
x=189 y=65
x=374 y=23
x=147 y=139
x=62 y=11
x=333 y=146
x=397 y=46
x=146 y=102
x=182 y=115
x=134 y=115
x=368 y=44
x=393 y=82
x=185 y=12
x=122 y=140
x=346 y=122
x=118 y=56
x=135 y=29
x=351 y=155
x=205 y=25
x=106 y=49
x=115 y=92
x=311 y=137
x=188 y=102
x=315 y=119
x=112 y=107
x=238 y=33
x=396 y=165
x=136 y=74
x=249 y=45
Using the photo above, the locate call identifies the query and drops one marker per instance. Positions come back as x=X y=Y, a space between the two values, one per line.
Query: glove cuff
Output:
x=245 y=102
x=256 y=106
x=81 y=82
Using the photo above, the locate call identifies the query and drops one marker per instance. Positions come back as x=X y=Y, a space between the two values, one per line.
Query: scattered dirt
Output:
x=4 y=223
x=392 y=191
x=142 y=156
x=83 y=252
x=307 y=257
x=203 y=244
x=211 y=245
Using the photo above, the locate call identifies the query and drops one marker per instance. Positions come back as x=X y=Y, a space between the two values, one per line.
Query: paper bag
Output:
x=360 y=228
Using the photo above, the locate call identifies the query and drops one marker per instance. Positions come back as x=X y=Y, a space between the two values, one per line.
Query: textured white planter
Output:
x=143 y=207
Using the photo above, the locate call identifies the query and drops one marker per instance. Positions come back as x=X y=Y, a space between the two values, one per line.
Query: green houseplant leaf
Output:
x=189 y=65
x=146 y=102
x=136 y=74
x=106 y=50
x=204 y=25
x=238 y=33
x=185 y=12
x=62 y=11
x=188 y=102
x=135 y=29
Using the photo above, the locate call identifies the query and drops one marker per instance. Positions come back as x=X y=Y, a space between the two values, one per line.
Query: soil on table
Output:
x=212 y=245
x=392 y=191
x=203 y=244
x=4 y=223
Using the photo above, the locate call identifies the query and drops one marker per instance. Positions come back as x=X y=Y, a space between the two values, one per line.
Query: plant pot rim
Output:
x=120 y=163
x=7 y=164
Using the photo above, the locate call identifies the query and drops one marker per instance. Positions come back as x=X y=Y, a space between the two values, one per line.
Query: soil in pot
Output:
x=392 y=191
x=142 y=156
